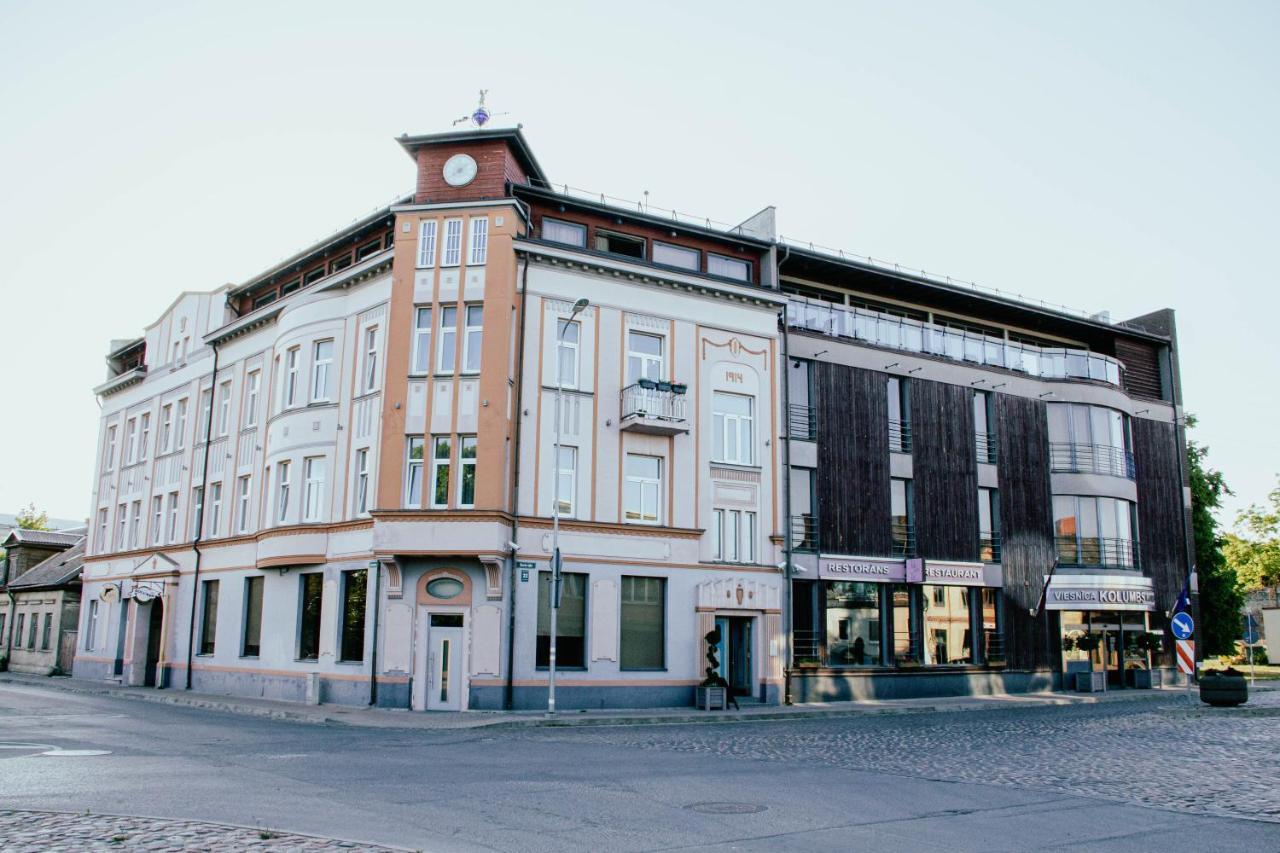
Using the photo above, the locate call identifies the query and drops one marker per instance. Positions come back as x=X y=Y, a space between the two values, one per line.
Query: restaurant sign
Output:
x=1100 y=592
x=916 y=570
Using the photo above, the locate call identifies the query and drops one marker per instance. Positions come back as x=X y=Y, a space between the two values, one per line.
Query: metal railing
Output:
x=806 y=648
x=899 y=436
x=987 y=446
x=993 y=646
x=804 y=532
x=664 y=405
x=1106 y=552
x=901 y=333
x=989 y=547
x=904 y=539
x=802 y=422
x=1065 y=457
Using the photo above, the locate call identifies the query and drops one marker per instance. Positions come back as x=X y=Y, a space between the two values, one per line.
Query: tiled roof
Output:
x=58 y=570
x=22 y=536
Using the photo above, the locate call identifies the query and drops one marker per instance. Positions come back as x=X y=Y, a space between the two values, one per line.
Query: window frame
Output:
x=642 y=482
x=439 y=463
x=157 y=519
x=573 y=347
x=645 y=359
x=289 y=392
x=422 y=336
x=447 y=331
x=282 y=490
x=414 y=470
x=250 y=619
x=696 y=253
x=472 y=338
x=558 y=487
x=361 y=490
x=427 y=229
x=561 y=660
x=605 y=235
x=315 y=473
x=309 y=633
x=741 y=427
x=244 y=489
x=208 y=618
x=729 y=260
x=467 y=469
x=347 y=632
x=568 y=226
x=370 y=372
x=451 y=255
x=253 y=388
x=322 y=369
x=662 y=623
x=224 y=407
x=478 y=241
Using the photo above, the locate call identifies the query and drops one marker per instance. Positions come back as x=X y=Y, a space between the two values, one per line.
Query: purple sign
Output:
x=915 y=570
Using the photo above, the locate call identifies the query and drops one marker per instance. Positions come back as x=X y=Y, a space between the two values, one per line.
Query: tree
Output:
x=29 y=519
x=1220 y=595
x=1254 y=551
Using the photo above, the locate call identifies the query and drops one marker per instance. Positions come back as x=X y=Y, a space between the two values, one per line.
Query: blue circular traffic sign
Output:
x=1182 y=625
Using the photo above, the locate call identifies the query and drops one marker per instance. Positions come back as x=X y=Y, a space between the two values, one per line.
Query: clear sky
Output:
x=1118 y=156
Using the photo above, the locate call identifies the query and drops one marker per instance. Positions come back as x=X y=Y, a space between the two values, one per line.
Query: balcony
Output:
x=899 y=436
x=655 y=408
x=899 y=333
x=987 y=447
x=1097 y=552
x=989 y=547
x=904 y=539
x=802 y=422
x=1066 y=458
x=804 y=532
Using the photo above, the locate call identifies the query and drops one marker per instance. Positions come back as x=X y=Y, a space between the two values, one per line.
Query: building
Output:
x=9 y=522
x=41 y=587
x=338 y=480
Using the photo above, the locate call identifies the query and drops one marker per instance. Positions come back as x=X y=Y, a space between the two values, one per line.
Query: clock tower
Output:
x=470 y=165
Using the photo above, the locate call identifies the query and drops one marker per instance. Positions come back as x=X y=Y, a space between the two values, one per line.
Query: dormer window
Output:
x=728 y=267
x=568 y=233
x=619 y=244
x=676 y=256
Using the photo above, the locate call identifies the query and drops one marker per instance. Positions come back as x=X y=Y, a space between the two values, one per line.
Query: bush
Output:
x=1242 y=655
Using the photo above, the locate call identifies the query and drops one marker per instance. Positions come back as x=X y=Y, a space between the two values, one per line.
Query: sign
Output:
x=1099 y=592
x=861 y=569
x=525 y=566
x=915 y=570
x=1186 y=654
x=1182 y=625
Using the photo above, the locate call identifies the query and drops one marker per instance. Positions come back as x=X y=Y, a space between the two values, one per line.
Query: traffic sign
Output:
x=1186 y=654
x=1182 y=625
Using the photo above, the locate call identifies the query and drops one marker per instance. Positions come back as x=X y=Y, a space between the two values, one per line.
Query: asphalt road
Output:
x=1088 y=778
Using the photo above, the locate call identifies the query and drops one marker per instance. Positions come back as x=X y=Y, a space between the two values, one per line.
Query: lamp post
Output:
x=578 y=308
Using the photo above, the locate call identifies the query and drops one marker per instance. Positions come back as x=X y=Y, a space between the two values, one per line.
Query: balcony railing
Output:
x=987 y=446
x=904 y=539
x=899 y=436
x=1104 y=552
x=989 y=547
x=900 y=333
x=804 y=532
x=807 y=648
x=1091 y=459
x=656 y=410
x=993 y=647
x=802 y=422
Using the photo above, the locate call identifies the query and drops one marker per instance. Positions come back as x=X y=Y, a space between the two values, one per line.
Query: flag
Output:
x=1183 y=604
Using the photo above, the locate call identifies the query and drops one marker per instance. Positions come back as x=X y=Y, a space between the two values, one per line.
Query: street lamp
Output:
x=578 y=308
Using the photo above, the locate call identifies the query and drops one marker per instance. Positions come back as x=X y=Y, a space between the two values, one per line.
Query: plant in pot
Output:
x=1147 y=643
x=646 y=384
x=713 y=693
x=1093 y=680
x=679 y=387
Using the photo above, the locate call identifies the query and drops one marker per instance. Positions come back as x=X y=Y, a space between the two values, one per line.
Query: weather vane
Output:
x=481 y=115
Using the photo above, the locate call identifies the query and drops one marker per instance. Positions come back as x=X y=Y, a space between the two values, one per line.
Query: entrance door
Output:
x=155 y=627
x=734 y=653
x=1108 y=656
x=444 y=662
x=122 y=624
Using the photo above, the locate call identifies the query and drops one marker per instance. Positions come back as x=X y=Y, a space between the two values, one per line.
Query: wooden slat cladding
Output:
x=853 y=460
x=945 y=471
x=1026 y=526
x=1142 y=368
x=1162 y=538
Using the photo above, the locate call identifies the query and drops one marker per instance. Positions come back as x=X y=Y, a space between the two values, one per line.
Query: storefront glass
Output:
x=905 y=648
x=1103 y=641
x=853 y=623
x=992 y=638
x=948 y=637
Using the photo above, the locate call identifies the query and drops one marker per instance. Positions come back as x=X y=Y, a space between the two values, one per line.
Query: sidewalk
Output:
x=441 y=720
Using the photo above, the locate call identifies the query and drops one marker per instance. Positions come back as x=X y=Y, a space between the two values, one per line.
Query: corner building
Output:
x=336 y=481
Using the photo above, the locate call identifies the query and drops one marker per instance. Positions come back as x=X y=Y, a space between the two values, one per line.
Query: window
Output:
x=371 y=358
x=728 y=267
x=47 y=634
x=452 y=243
x=166 y=429
x=676 y=256
x=448 y=339
x=413 y=473
x=122 y=524
x=1089 y=439
x=948 y=637
x=467 y=472
x=18 y=624
x=312 y=598
x=206 y=413
x=109 y=455
x=291 y=357
x=732 y=428
x=1092 y=531
x=473 y=338
x=224 y=408
x=899 y=415
x=180 y=429
x=258 y=302
x=568 y=233
x=566 y=481
x=208 y=617
x=988 y=526
x=853 y=623
x=100 y=543
x=368 y=249
x=313 y=276
x=984 y=435
x=644 y=357
x=282 y=492
x=144 y=438
x=442 y=449
x=643 y=623
x=157 y=519
x=479 y=240
x=135 y=525
x=251 y=398
x=215 y=509
x=362 y=481
x=173 y=518
x=314 y=470
x=619 y=244
x=242 y=504
x=296 y=284
x=734 y=535
x=571 y=622
x=643 y=489
x=902 y=527
x=131 y=441
x=321 y=370
x=251 y=643
x=91 y=625
x=354 y=585
x=35 y=629
x=422 y=340
x=197 y=511
x=427 y=243
x=339 y=264
x=567 y=336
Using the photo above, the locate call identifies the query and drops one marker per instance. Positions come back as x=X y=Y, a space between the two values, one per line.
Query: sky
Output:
x=1104 y=156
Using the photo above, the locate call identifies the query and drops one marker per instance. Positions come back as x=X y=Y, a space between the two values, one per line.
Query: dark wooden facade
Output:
x=1162 y=543
x=1026 y=528
x=853 y=460
x=944 y=469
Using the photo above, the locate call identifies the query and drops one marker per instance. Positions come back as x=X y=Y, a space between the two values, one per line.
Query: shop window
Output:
x=311 y=599
x=354 y=585
x=643 y=631
x=619 y=244
x=905 y=647
x=853 y=623
x=947 y=625
x=251 y=644
x=209 y=617
x=571 y=646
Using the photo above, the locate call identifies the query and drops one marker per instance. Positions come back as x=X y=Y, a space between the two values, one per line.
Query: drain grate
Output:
x=726 y=808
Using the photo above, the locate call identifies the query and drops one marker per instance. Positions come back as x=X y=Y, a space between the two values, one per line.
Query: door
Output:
x=734 y=653
x=155 y=628
x=444 y=662
x=122 y=624
x=1108 y=655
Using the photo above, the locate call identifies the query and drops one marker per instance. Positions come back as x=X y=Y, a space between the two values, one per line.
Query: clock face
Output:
x=459 y=170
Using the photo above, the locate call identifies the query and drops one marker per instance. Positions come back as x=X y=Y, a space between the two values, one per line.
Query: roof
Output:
x=22 y=536
x=513 y=135
x=58 y=570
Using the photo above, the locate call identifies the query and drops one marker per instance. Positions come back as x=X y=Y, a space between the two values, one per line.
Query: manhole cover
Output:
x=726 y=808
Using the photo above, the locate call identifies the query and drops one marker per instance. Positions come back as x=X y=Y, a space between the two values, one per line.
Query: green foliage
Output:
x=1253 y=552
x=29 y=519
x=1220 y=594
